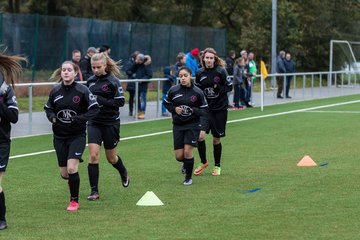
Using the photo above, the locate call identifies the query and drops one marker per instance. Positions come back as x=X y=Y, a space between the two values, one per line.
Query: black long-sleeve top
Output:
x=215 y=84
x=9 y=110
x=193 y=104
x=110 y=96
x=71 y=106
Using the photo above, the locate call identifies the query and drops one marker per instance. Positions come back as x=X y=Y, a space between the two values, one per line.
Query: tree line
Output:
x=305 y=27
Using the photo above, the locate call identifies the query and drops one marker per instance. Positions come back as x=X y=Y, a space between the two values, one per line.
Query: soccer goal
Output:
x=344 y=55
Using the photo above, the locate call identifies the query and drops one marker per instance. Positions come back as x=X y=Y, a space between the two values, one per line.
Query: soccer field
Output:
x=260 y=152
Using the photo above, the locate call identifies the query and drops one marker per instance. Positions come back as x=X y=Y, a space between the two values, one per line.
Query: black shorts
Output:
x=4 y=156
x=109 y=134
x=217 y=123
x=184 y=136
x=69 y=148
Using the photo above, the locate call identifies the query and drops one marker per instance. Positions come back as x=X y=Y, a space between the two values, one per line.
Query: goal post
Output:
x=349 y=54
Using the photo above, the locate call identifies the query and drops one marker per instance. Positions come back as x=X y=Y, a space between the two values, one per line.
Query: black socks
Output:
x=217 y=154
x=120 y=167
x=189 y=166
x=93 y=170
x=202 y=151
x=2 y=206
x=74 y=184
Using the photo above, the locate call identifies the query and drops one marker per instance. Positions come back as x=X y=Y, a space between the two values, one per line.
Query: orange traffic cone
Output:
x=306 y=161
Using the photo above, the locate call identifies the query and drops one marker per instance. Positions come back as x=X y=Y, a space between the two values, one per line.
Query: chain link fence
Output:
x=49 y=40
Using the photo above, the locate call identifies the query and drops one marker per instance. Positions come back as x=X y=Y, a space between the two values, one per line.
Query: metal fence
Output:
x=49 y=40
x=304 y=86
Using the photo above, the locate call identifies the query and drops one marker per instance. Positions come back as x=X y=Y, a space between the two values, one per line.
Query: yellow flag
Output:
x=264 y=72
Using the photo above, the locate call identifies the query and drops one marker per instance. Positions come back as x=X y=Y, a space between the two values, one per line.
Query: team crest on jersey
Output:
x=76 y=99
x=92 y=97
x=66 y=115
x=216 y=79
x=186 y=110
x=105 y=88
x=193 y=98
x=210 y=93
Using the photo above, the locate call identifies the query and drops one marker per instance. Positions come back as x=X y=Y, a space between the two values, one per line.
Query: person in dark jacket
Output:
x=75 y=58
x=181 y=58
x=230 y=60
x=10 y=71
x=213 y=80
x=280 y=68
x=171 y=79
x=85 y=64
x=69 y=107
x=188 y=107
x=290 y=68
x=105 y=126
x=240 y=74
x=142 y=70
x=130 y=86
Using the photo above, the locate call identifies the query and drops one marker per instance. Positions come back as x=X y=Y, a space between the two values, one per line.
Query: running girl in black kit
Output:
x=69 y=107
x=105 y=127
x=188 y=107
x=212 y=78
x=10 y=71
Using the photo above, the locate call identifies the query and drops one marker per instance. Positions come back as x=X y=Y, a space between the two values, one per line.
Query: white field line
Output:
x=319 y=111
x=231 y=121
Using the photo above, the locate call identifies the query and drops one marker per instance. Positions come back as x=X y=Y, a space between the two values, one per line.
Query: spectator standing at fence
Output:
x=230 y=60
x=290 y=68
x=188 y=107
x=181 y=59
x=213 y=80
x=280 y=68
x=252 y=70
x=85 y=63
x=130 y=86
x=105 y=127
x=238 y=83
x=10 y=72
x=247 y=79
x=76 y=57
x=166 y=85
x=142 y=69
x=192 y=60
x=69 y=107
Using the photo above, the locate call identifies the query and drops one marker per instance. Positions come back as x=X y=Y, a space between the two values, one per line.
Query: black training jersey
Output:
x=9 y=111
x=71 y=106
x=215 y=84
x=193 y=104
x=110 y=96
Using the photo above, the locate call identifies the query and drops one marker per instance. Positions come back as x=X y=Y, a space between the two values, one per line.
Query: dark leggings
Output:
x=131 y=100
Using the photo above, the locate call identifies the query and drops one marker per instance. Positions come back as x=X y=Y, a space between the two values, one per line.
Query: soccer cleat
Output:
x=125 y=181
x=73 y=206
x=200 y=168
x=216 y=171
x=3 y=225
x=93 y=196
x=187 y=182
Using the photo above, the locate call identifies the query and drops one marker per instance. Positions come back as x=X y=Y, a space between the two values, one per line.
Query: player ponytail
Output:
x=56 y=75
x=11 y=68
x=111 y=66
